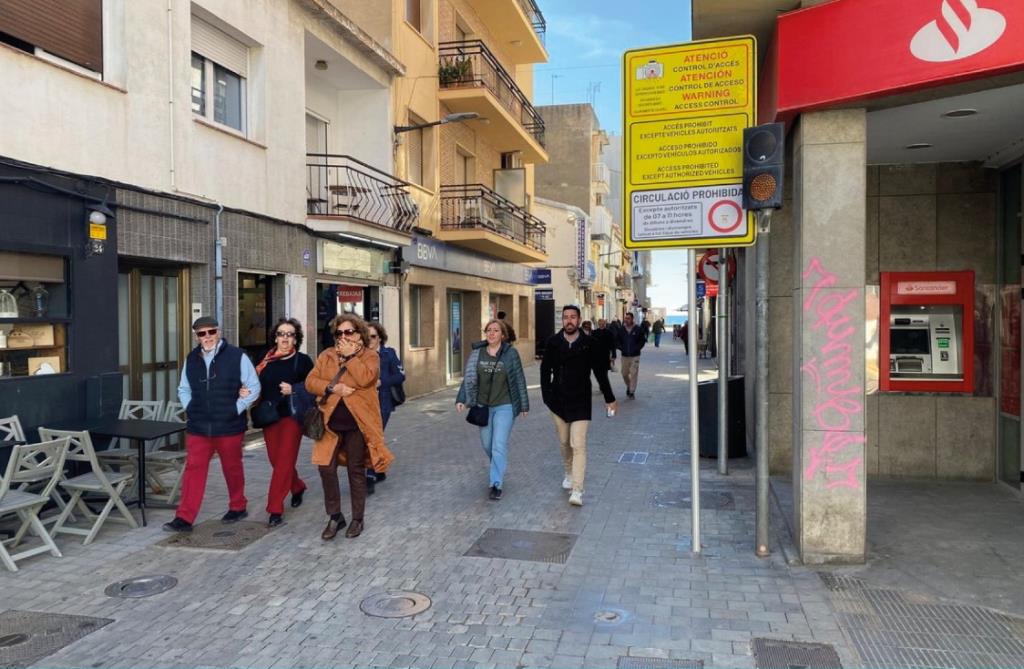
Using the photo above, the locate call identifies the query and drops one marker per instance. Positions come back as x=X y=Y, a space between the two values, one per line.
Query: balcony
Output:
x=343 y=190
x=601 y=224
x=476 y=217
x=520 y=23
x=472 y=80
x=601 y=177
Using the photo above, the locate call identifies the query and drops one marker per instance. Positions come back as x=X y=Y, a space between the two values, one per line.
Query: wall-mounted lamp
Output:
x=450 y=118
x=99 y=213
x=320 y=65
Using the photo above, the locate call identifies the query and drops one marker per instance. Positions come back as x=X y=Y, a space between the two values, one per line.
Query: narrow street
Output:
x=630 y=587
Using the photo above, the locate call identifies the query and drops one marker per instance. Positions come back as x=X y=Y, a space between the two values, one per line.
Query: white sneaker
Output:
x=576 y=498
x=567 y=483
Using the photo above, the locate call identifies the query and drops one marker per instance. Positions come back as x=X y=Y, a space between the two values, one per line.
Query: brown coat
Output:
x=361 y=373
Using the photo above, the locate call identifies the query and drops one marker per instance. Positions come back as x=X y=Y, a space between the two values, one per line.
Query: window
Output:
x=71 y=30
x=33 y=315
x=464 y=170
x=414 y=147
x=511 y=160
x=219 y=67
x=413 y=14
x=421 y=316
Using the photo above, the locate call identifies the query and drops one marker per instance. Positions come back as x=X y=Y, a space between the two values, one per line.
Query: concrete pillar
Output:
x=829 y=442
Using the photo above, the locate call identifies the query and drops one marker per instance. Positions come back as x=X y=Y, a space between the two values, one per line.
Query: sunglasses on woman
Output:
x=282 y=333
x=338 y=334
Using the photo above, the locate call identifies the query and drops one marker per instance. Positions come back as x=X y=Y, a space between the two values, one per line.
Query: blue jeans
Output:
x=657 y=339
x=494 y=439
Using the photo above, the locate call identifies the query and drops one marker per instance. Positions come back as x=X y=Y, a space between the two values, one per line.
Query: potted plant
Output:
x=453 y=71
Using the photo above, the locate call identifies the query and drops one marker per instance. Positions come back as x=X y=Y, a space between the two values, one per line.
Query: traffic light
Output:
x=764 y=150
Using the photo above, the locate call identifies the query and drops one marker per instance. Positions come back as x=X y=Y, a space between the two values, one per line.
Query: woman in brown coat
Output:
x=354 y=431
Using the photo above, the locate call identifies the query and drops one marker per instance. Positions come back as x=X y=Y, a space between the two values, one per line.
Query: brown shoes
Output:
x=355 y=529
x=333 y=526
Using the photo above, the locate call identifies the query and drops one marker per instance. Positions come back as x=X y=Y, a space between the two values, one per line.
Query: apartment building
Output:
x=468 y=139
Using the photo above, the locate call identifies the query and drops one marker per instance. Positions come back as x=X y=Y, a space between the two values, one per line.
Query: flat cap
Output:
x=205 y=322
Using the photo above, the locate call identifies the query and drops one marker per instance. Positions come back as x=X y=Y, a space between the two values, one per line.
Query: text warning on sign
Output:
x=688 y=213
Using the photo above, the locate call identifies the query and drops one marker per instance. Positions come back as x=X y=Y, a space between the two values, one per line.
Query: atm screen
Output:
x=909 y=342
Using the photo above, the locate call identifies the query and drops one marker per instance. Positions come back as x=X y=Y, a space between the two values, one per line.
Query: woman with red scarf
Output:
x=282 y=372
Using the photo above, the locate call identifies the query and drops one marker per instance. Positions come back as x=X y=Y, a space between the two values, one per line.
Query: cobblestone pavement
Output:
x=631 y=587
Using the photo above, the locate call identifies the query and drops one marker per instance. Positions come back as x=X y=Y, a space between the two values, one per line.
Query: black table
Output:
x=138 y=432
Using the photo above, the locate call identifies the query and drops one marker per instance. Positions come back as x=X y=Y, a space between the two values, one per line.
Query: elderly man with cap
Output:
x=218 y=383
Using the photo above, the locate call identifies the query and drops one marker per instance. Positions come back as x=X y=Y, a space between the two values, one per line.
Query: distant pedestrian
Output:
x=657 y=329
x=570 y=357
x=587 y=328
x=218 y=383
x=684 y=332
x=392 y=375
x=508 y=327
x=631 y=340
x=603 y=335
x=354 y=433
x=494 y=379
x=282 y=373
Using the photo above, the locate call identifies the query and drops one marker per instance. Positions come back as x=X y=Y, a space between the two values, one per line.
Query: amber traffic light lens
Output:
x=763 y=186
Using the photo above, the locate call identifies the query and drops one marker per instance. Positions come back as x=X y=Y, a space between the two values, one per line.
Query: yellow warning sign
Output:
x=686 y=106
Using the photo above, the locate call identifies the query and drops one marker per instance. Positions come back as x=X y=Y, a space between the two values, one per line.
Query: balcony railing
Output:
x=338 y=185
x=536 y=19
x=600 y=173
x=471 y=63
x=477 y=207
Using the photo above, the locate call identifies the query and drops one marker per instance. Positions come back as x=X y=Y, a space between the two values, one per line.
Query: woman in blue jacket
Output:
x=392 y=375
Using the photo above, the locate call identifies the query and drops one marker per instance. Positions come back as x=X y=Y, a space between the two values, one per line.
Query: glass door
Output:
x=151 y=322
x=255 y=295
x=455 y=356
x=1011 y=455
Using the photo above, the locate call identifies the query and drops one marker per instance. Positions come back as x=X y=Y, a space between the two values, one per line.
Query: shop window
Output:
x=523 y=331
x=33 y=315
x=220 y=64
x=421 y=316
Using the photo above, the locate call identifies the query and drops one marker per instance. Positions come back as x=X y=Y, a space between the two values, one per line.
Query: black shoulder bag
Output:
x=313 y=420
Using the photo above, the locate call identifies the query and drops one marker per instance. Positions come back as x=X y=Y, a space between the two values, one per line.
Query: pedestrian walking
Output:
x=389 y=385
x=684 y=332
x=630 y=341
x=494 y=379
x=347 y=376
x=282 y=373
x=570 y=357
x=218 y=383
x=657 y=329
x=605 y=337
x=508 y=327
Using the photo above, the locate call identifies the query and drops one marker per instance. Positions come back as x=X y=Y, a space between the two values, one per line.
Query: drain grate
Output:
x=657 y=663
x=215 y=534
x=634 y=458
x=28 y=636
x=523 y=545
x=773 y=653
x=395 y=604
x=141 y=586
x=681 y=499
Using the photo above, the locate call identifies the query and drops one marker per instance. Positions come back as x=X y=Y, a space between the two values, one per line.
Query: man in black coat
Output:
x=570 y=357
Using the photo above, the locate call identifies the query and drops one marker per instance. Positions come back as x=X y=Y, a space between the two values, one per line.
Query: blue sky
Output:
x=585 y=41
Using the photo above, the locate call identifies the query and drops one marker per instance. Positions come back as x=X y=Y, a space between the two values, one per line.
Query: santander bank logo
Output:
x=962 y=30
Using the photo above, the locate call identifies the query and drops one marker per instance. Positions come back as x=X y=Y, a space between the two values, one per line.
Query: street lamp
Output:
x=450 y=118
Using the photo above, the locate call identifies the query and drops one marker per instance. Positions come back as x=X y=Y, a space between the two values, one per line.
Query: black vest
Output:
x=213 y=410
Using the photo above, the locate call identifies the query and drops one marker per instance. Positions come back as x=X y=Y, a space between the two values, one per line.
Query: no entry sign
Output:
x=709 y=267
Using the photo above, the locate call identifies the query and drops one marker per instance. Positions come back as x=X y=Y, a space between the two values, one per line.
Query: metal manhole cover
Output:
x=141 y=586
x=657 y=663
x=773 y=653
x=523 y=545
x=633 y=458
x=28 y=636
x=395 y=604
x=681 y=499
x=213 y=534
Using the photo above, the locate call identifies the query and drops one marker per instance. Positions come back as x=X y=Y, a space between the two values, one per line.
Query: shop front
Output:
x=354 y=279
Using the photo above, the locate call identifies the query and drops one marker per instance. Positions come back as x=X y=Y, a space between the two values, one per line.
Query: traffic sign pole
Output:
x=694 y=428
x=722 y=330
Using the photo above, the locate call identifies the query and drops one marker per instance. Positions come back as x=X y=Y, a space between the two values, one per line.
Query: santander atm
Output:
x=927 y=337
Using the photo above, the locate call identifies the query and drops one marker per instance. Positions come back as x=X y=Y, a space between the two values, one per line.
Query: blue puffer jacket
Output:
x=507 y=356
x=391 y=374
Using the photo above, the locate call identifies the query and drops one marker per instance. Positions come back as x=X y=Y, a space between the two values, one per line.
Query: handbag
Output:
x=397 y=395
x=478 y=414
x=313 y=420
x=265 y=413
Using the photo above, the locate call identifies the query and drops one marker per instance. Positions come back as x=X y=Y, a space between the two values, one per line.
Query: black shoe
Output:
x=371 y=483
x=630 y=395
x=178 y=525
x=495 y=493
x=234 y=516
x=381 y=477
x=297 y=498
x=275 y=520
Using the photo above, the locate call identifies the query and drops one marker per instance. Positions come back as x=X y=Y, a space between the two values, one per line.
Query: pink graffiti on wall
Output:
x=838 y=395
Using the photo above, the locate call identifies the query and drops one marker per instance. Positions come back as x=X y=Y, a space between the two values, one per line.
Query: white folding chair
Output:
x=27 y=479
x=10 y=429
x=168 y=460
x=96 y=482
x=48 y=456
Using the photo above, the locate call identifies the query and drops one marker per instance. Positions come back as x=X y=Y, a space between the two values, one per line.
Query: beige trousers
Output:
x=573 y=439
x=630 y=372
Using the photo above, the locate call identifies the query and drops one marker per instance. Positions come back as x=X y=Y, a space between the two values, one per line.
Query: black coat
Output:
x=565 y=376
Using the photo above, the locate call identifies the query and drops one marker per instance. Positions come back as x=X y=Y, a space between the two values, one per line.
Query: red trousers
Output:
x=282 y=439
x=198 y=452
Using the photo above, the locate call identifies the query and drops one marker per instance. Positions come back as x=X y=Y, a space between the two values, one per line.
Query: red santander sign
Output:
x=850 y=50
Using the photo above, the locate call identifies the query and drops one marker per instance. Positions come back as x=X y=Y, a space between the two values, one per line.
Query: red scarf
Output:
x=270 y=357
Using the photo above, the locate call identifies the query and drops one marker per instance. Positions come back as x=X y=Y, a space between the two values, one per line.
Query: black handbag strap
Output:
x=341 y=370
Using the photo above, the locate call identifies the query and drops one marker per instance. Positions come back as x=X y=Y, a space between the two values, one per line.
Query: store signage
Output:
x=686 y=106
x=712 y=290
x=543 y=294
x=852 y=50
x=701 y=289
x=926 y=288
x=350 y=293
x=97 y=231
x=539 y=275
x=434 y=254
x=582 y=244
x=355 y=261
x=590 y=275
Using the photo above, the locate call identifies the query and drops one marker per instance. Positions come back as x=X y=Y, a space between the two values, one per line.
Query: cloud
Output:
x=593 y=37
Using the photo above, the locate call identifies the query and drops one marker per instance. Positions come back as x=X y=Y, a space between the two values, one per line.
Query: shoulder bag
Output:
x=266 y=412
x=313 y=421
x=478 y=414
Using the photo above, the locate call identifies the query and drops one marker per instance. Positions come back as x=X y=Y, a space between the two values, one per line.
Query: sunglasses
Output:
x=206 y=333
x=338 y=334
x=282 y=333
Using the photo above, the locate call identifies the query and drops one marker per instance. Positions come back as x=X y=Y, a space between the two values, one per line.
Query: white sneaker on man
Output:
x=567 y=483
x=576 y=498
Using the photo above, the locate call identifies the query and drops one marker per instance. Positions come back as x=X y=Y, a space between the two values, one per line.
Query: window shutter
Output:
x=218 y=46
x=70 y=29
x=416 y=156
